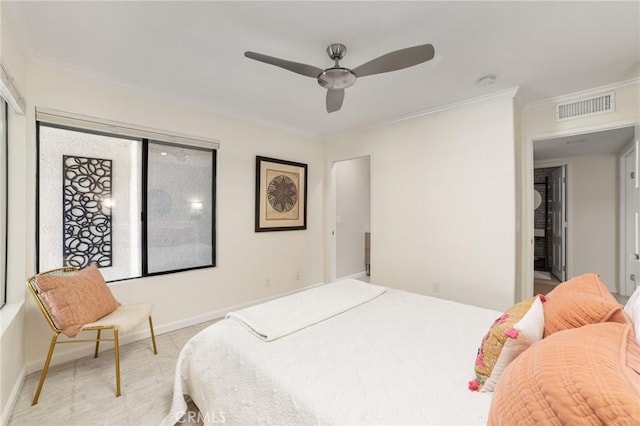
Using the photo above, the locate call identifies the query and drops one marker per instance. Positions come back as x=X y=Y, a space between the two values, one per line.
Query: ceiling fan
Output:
x=337 y=78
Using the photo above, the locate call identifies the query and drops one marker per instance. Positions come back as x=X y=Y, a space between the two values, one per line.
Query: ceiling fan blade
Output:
x=303 y=69
x=403 y=58
x=334 y=100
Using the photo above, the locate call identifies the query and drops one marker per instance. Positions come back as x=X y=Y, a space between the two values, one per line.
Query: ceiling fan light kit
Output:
x=337 y=78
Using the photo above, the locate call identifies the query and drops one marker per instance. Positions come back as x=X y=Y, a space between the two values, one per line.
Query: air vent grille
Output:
x=588 y=106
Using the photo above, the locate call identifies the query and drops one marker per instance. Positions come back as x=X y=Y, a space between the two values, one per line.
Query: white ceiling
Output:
x=596 y=143
x=193 y=51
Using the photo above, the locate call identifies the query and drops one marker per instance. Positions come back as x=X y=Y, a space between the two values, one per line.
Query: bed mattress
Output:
x=400 y=358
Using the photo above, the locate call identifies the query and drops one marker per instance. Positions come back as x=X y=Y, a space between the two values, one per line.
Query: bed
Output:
x=342 y=353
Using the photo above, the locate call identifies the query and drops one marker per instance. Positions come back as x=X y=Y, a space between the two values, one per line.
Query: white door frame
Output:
x=622 y=265
x=560 y=222
x=331 y=212
x=528 y=189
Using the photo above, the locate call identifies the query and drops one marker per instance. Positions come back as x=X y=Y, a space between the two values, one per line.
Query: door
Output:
x=632 y=212
x=559 y=223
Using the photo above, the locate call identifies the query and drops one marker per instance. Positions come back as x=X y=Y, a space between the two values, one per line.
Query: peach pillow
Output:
x=586 y=284
x=510 y=335
x=580 y=301
x=76 y=300
x=588 y=375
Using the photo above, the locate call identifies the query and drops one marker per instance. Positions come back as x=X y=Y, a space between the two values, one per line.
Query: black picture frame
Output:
x=281 y=195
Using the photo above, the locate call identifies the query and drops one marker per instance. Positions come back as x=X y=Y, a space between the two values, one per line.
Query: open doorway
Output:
x=550 y=226
x=583 y=173
x=352 y=179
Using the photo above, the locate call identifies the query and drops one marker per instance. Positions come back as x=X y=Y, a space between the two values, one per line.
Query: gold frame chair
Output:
x=114 y=326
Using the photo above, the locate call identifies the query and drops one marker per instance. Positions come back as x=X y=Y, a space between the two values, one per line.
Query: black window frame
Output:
x=143 y=197
x=145 y=223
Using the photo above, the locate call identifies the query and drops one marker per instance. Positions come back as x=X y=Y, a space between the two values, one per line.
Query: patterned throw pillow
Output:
x=518 y=328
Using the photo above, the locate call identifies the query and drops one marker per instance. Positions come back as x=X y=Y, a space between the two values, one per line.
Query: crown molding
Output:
x=584 y=93
x=10 y=93
x=46 y=62
x=511 y=92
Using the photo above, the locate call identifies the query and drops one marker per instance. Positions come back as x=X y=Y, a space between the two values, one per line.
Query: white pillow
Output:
x=633 y=309
x=530 y=330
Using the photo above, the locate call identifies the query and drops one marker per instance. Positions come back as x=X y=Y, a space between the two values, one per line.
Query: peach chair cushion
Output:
x=75 y=300
x=583 y=376
x=580 y=301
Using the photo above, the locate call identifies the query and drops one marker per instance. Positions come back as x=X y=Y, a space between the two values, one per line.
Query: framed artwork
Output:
x=281 y=195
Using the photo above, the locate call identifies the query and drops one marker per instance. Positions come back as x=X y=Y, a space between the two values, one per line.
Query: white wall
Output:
x=595 y=217
x=12 y=315
x=538 y=122
x=592 y=216
x=443 y=201
x=353 y=213
x=245 y=259
x=11 y=361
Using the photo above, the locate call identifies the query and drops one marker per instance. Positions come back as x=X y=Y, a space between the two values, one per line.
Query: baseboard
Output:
x=87 y=350
x=355 y=276
x=13 y=397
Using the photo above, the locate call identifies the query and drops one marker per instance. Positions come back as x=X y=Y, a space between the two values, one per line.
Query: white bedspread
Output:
x=400 y=358
x=301 y=310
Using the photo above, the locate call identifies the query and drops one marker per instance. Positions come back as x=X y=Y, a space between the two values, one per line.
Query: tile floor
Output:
x=82 y=392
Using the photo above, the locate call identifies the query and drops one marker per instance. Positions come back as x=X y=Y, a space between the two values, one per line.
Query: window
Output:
x=134 y=205
x=179 y=207
x=4 y=177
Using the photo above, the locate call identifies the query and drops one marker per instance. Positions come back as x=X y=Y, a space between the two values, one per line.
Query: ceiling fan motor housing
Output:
x=336 y=51
x=337 y=78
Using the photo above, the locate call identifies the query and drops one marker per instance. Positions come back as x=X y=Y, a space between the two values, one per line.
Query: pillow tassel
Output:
x=511 y=333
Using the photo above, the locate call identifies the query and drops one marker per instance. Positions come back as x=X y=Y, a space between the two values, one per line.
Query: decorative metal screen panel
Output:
x=86 y=214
